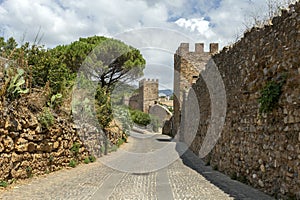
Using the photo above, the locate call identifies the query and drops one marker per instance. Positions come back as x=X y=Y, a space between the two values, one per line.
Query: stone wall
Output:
x=27 y=148
x=260 y=149
x=135 y=102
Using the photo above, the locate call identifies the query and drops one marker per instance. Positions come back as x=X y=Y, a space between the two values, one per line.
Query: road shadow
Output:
x=164 y=139
x=234 y=188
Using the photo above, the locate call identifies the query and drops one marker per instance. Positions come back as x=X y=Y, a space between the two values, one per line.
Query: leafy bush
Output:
x=87 y=160
x=120 y=142
x=61 y=78
x=46 y=118
x=75 y=148
x=140 y=117
x=3 y=184
x=92 y=158
x=270 y=95
x=72 y=163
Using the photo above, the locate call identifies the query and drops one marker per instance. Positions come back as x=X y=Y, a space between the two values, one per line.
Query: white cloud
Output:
x=61 y=21
x=65 y=21
x=199 y=25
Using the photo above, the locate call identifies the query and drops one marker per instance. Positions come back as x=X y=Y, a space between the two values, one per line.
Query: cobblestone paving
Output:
x=78 y=183
x=188 y=184
x=135 y=186
x=97 y=181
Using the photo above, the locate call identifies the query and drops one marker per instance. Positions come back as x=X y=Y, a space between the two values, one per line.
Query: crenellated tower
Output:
x=148 y=91
x=187 y=67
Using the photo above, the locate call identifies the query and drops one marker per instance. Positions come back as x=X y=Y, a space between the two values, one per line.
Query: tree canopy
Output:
x=103 y=59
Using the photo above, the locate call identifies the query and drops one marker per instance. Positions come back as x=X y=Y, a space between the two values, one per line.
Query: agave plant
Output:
x=16 y=85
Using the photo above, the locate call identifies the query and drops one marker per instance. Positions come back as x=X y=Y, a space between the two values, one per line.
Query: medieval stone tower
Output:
x=147 y=95
x=148 y=92
x=187 y=67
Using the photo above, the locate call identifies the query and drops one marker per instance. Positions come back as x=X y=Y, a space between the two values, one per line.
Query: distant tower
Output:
x=187 y=68
x=148 y=92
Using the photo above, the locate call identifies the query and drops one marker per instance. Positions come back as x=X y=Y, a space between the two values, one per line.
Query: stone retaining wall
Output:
x=260 y=149
x=26 y=148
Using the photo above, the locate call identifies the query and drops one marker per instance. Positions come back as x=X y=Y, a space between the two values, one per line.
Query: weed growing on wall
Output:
x=270 y=95
x=3 y=184
x=46 y=118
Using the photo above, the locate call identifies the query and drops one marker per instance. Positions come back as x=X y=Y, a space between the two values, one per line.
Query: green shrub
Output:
x=3 y=184
x=46 y=119
x=270 y=95
x=140 y=117
x=92 y=158
x=73 y=163
x=61 y=78
x=75 y=148
x=120 y=142
x=87 y=160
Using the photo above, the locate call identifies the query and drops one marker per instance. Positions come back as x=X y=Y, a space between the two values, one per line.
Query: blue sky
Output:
x=63 y=21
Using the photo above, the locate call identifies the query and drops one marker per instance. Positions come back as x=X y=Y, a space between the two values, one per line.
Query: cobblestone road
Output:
x=129 y=174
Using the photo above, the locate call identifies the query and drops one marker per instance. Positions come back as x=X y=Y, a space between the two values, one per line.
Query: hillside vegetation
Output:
x=37 y=130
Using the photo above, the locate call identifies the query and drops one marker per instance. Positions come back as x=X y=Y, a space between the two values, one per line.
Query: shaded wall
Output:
x=260 y=149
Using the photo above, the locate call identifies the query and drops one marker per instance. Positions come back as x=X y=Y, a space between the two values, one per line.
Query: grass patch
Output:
x=87 y=160
x=3 y=184
x=72 y=163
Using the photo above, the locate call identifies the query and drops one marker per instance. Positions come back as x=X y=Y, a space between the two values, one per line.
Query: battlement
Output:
x=199 y=48
x=147 y=81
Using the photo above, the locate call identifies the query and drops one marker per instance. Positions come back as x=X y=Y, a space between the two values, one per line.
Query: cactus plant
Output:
x=15 y=85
